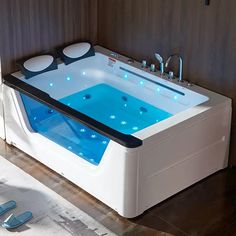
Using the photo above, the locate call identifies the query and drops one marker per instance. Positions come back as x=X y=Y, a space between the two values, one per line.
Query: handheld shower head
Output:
x=159 y=58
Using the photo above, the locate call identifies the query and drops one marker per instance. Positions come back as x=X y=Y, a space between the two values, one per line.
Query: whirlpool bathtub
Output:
x=128 y=136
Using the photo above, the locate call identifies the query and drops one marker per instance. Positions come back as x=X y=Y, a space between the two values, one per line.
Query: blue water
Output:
x=104 y=103
x=64 y=131
x=115 y=108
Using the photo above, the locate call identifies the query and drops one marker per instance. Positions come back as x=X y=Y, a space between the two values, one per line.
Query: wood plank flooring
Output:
x=207 y=208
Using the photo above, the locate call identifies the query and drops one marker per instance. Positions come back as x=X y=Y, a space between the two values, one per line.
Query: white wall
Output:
x=2 y=130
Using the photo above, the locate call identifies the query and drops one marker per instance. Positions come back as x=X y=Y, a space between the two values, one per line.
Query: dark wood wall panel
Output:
x=204 y=36
x=28 y=27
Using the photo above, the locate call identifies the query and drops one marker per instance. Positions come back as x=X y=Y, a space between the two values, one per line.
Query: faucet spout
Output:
x=180 y=79
x=161 y=62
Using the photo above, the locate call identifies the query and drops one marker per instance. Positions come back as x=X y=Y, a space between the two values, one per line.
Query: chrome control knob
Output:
x=171 y=75
x=144 y=64
x=153 y=68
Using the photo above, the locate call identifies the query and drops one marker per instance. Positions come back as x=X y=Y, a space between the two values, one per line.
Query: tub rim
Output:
x=126 y=140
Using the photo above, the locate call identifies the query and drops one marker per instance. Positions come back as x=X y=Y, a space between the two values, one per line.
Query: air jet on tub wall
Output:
x=128 y=136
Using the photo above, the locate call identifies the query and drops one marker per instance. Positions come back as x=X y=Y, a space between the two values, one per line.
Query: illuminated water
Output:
x=115 y=108
x=64 y=131
x=105 y=104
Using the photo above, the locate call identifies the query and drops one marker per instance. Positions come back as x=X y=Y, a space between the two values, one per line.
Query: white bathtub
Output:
x=168 y=156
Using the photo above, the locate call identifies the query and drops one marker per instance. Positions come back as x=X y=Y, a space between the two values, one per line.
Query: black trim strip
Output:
x=152 y=81
x=128 y=141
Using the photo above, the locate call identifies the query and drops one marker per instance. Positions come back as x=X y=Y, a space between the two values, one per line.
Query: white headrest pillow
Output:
x=37 y=65
x=75 y=52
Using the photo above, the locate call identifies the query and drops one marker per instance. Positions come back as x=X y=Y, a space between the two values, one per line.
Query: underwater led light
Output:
x=68 y=78
x=84 y=73
x=125 y=105
x=112 y=117
x=68 y=104
x=126 y=76
x=104 y=142
x=123 y=122
x=157 y=121
x=35 y=118
x=81 y=154
x=175 y=97
x=82 y=130
x=135 y=128
x=141 y=82
x=158 y=90
x=51 y=84
x=69 y=147
x=93 y=136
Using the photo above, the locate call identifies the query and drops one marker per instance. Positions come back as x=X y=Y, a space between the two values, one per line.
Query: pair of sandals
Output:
x=13 y=221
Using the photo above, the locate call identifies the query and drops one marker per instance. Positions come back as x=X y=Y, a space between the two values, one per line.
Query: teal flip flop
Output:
x=15 y=221
x=7 y=206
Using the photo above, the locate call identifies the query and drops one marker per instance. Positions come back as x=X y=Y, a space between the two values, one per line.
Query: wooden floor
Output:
x=207 y=208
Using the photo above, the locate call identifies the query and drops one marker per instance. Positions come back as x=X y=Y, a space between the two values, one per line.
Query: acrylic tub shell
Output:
x=175 y=153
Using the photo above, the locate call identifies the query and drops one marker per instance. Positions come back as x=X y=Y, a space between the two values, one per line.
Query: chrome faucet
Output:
x=180 y=79
x=161 y=62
